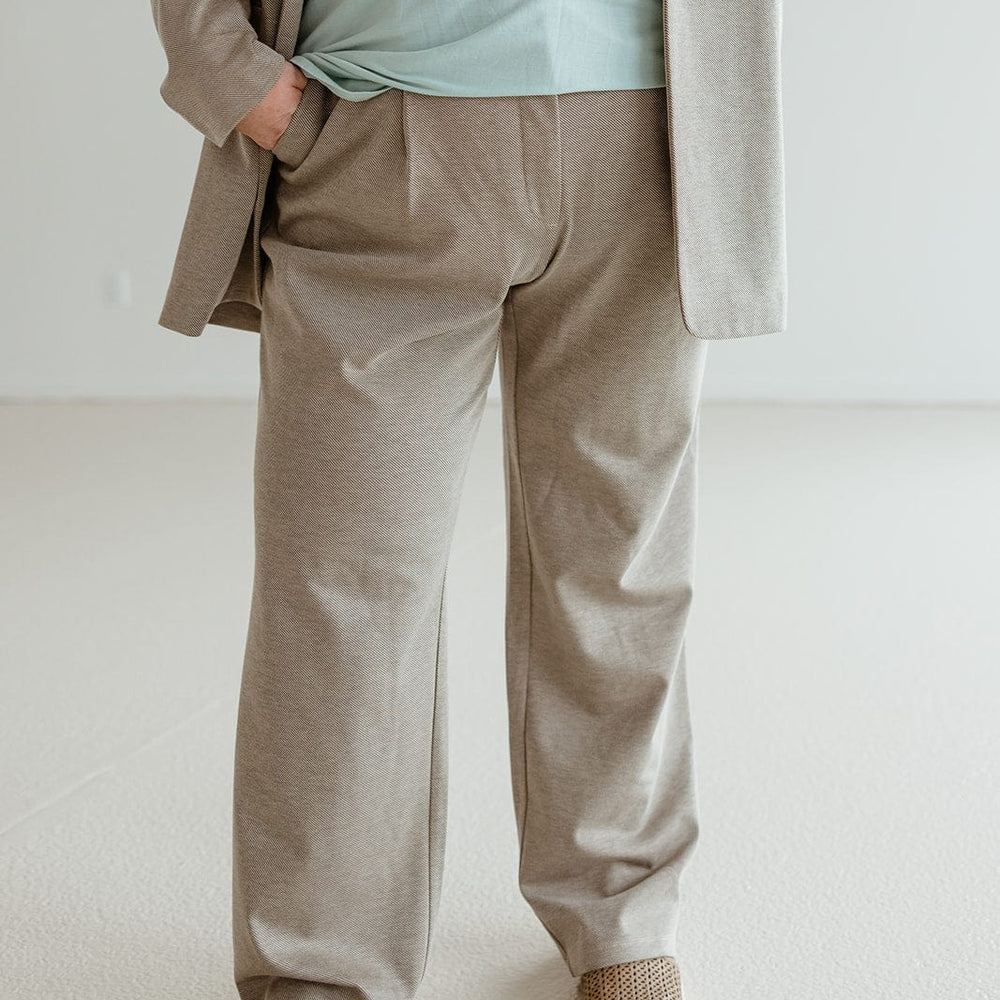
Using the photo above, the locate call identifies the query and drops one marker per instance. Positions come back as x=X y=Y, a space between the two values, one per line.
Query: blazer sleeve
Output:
x=218 y=70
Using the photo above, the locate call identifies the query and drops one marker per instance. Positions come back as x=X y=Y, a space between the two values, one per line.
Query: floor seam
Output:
x=92 y=776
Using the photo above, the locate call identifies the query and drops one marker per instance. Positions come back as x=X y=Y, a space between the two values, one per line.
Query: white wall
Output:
x=893 y=215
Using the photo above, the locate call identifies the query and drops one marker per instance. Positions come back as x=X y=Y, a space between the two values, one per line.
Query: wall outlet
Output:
x=118 y=288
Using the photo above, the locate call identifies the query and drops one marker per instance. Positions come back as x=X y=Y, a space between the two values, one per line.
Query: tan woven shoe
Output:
x=646 y=979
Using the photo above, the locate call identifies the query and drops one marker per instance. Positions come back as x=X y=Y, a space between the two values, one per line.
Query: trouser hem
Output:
x=618 y=950
x=286 y=988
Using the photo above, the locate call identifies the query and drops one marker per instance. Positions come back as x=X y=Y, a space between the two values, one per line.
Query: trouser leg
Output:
x=370 y=399
x=601 y=387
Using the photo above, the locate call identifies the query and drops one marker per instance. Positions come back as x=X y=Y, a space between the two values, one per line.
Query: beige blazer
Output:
x=724 y=122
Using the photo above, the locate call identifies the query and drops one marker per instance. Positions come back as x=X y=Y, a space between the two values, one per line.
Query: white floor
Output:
x=845 y=677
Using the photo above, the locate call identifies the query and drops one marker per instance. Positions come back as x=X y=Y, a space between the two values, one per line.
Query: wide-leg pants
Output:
x=409 y=238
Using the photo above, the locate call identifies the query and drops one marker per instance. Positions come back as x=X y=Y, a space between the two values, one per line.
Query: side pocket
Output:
x=303 y=127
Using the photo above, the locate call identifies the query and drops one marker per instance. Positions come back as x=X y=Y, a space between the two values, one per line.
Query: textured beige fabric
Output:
x=722 y=65
x=728 y=164
x=407 y=240
x=647 y=979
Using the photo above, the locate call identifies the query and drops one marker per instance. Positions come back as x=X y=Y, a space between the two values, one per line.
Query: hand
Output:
x=267 y=122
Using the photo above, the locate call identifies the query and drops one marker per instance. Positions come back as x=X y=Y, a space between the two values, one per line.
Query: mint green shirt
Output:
x=481 y=48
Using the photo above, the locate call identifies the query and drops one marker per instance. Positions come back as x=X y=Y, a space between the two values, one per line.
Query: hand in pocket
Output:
x=269 y=120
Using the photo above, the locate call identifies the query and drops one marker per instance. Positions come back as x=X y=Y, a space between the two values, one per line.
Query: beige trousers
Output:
x=408 y=239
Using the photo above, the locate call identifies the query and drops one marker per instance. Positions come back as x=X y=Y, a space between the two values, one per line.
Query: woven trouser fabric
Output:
x=409 y=238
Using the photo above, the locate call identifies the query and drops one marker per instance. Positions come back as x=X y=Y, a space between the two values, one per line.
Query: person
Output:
x=392 y=196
